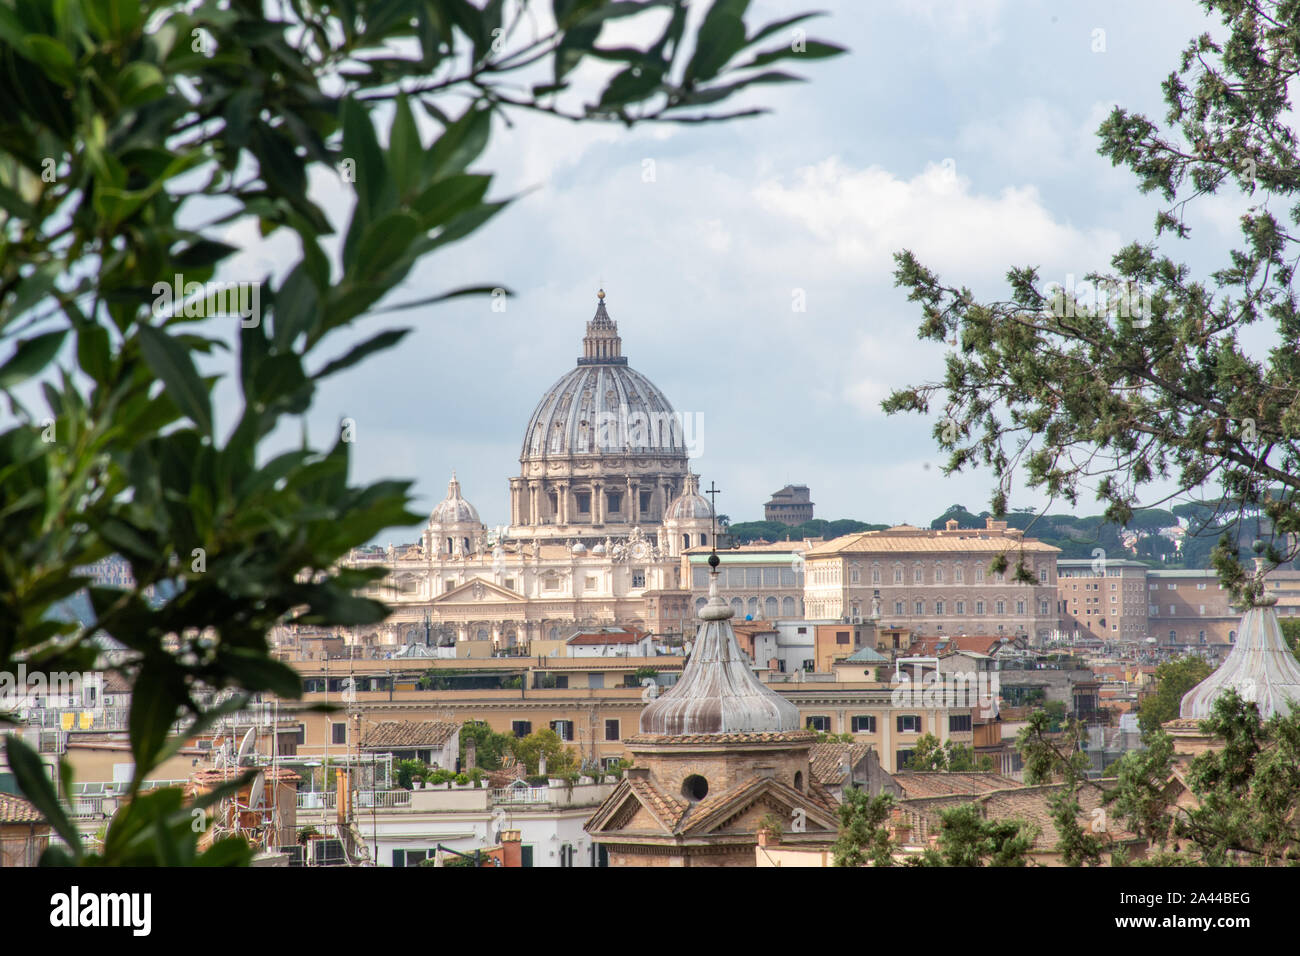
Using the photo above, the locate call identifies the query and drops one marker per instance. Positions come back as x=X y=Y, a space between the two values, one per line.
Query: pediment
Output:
x=479 y=591
x=741 y=808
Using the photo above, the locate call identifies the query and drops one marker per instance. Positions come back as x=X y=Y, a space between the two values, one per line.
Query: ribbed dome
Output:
x=453 y=509
x=718 y=692
x=603 y=406
x=690 y=503
x=1260 y=667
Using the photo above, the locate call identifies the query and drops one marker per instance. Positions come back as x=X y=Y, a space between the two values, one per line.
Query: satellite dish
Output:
x=246 y=745
x=257 y=791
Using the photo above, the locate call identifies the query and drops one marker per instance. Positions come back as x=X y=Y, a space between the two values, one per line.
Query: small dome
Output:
x=598 y=549
x=1260 y=667
x=718 y=692
x=579 y=548
x=453 y=509
x=690 y=503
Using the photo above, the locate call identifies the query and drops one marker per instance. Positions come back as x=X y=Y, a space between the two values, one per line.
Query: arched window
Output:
x=699 y=604
x=787 y=607
x=1232 y=637
x=686 y=541
x=769 y=608
x=738 y=606
x=798 y=780
x=1173 y=636
x=753 y=607
x=704 y=539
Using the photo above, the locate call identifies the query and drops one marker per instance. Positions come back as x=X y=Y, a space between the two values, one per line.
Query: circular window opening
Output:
x=695 y=787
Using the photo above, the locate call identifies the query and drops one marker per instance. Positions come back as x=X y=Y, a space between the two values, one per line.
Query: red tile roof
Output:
x=408 y=733
x=17 y=810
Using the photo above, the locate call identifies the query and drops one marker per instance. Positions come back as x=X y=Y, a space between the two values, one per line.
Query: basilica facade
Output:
x=600 y=512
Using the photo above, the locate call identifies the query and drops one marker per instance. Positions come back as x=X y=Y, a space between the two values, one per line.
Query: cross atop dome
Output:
x=602 y=345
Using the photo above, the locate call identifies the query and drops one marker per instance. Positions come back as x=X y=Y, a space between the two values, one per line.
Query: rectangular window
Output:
x=819 y=724
x=339 y=733
x=583 y=499
x=898 y=608
x=638 y=577
x=645 y=502
x=979 y=575
x=1020 y=607
x=961 y=607
x=920 y=607
x=564 y=728
x=959 y=574
x=611 y=730
x=938 y=575
x=787 y=578
x=875 y=575
x=593 y=582
x=903 y=756
x=521 y=728
x=1042 y=575
x=938 y=607
x=918 y=576
x=979 y=607
x=771 y=577
x=614 y=502
x=909 y=723
x=959 y=723
x=510 y=584
x=898 y=575
x=864 y=723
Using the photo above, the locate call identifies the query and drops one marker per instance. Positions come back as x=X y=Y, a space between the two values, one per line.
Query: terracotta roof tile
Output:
x=827 y=761
x=1022 y=803
x=908 y=540
x=766 y=737
x=921 y=784
x=17 y=810
x=668 y=810
x=408 y=733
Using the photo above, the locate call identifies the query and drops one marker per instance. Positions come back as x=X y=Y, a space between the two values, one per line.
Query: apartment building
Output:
x=1102 y=598
x=934 y=582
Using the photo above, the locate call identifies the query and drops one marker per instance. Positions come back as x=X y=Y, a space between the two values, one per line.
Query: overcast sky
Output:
x=963 y=131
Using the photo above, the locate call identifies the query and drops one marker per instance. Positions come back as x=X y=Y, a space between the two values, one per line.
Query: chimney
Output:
x=952 y=524
x=512 y=852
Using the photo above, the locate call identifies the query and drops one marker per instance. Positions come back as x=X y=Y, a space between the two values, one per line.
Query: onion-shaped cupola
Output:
x=1260 y=667
x=718 y=692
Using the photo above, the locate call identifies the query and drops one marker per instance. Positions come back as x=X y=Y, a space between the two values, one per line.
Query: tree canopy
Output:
x=1157 y=380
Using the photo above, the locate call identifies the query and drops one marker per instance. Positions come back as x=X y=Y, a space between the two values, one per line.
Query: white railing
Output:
x=317 y=799
x=383 y=799
x=521 y=795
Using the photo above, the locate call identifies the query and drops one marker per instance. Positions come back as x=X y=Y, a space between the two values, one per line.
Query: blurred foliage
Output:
x=134 y=134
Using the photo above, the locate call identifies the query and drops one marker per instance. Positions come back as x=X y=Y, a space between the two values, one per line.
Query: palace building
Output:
x=602 y=508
